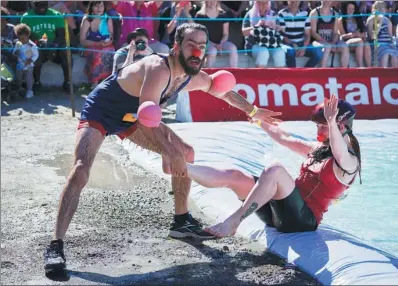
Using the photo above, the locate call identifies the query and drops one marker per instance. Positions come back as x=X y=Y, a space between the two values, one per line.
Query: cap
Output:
x=346 y=112
x=139 y=32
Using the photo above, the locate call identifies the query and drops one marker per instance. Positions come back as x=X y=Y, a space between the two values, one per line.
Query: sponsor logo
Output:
x=367 y=92
x=341 y=117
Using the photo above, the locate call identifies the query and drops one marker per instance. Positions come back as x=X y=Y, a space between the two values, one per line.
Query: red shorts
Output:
x=96 y=125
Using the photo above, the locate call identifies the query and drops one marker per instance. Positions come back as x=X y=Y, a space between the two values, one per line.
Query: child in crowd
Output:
x=382 y=30
x=27 y=53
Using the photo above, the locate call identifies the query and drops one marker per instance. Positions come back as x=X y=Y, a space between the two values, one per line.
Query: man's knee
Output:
x=316 y=53
x=62 y=58
x=291 y=52
x=189 y=154
x=80 y=173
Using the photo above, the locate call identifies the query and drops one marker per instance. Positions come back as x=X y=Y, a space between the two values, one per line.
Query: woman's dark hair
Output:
x=90 y=9
x=325 y=151
x=357 y=17
x=346 y=114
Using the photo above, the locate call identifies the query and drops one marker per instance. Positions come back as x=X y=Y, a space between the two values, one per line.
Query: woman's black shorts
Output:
x=288 y=215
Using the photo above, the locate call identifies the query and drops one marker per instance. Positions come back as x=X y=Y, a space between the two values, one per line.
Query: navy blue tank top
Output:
x=108 y=103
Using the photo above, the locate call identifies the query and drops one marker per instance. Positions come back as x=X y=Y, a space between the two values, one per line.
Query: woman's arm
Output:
x=389 y=28
x=246 y=31
x=225 y=34
x=173 y=23
x=284 y=138
x=110 y=28
x=345 y=36
x=314 y=24
x=336 y=35
x=339 y=146
x=83 y=33
x=370 y=25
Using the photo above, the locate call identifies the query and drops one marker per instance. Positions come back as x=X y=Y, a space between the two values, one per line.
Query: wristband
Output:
x=254 y=111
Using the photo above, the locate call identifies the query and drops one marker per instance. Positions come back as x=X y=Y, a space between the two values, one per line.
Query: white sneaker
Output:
x=29 y=94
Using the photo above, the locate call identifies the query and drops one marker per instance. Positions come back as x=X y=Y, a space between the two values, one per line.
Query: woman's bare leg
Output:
x=274 y=183
x=233 y=179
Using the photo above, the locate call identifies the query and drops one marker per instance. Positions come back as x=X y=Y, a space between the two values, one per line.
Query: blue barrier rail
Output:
x=201 y=19
x=242 y=51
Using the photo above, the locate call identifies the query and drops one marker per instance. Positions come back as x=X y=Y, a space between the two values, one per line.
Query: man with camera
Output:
x=131 y=53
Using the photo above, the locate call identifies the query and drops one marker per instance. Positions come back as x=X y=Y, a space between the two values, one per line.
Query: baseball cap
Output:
x=136 y=33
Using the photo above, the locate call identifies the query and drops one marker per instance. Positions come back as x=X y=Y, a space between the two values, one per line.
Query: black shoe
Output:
x=54 y=258
x=65 y=86
x=37 y=85
x=190 y=228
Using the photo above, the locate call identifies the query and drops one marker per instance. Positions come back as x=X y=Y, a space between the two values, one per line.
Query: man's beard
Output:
x=187 y=69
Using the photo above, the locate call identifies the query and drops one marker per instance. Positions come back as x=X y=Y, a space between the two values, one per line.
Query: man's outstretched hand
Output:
x=267 y=116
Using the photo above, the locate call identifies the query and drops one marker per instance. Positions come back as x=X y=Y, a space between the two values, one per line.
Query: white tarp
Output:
x=330 y=255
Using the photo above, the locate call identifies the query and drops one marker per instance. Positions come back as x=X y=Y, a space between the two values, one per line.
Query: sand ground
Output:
x=119 y=233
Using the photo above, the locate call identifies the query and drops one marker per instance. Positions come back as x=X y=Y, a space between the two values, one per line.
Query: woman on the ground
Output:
x=290 y=205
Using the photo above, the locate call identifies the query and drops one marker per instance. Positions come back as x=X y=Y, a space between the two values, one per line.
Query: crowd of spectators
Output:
x=102 y=31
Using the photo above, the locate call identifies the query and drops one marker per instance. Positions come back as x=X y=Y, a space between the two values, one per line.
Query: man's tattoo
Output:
x=250 y=210
x=237 y=100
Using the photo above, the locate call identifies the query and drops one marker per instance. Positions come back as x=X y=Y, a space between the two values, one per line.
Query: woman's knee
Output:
x=279 y=58
x=343 y=49
x=273 y=171
x=326 y=51
x=234 y=175
x=367 y=49
x=262 y=58
x=228 y=46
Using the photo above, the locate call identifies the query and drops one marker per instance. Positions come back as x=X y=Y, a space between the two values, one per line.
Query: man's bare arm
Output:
x=204 y=82
x=238 y=101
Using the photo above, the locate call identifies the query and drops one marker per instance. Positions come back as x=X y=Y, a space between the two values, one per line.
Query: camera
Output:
x=141 y=45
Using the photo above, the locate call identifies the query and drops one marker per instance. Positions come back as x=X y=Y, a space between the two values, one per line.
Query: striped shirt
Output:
x=384 y=35
x=294 y=25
